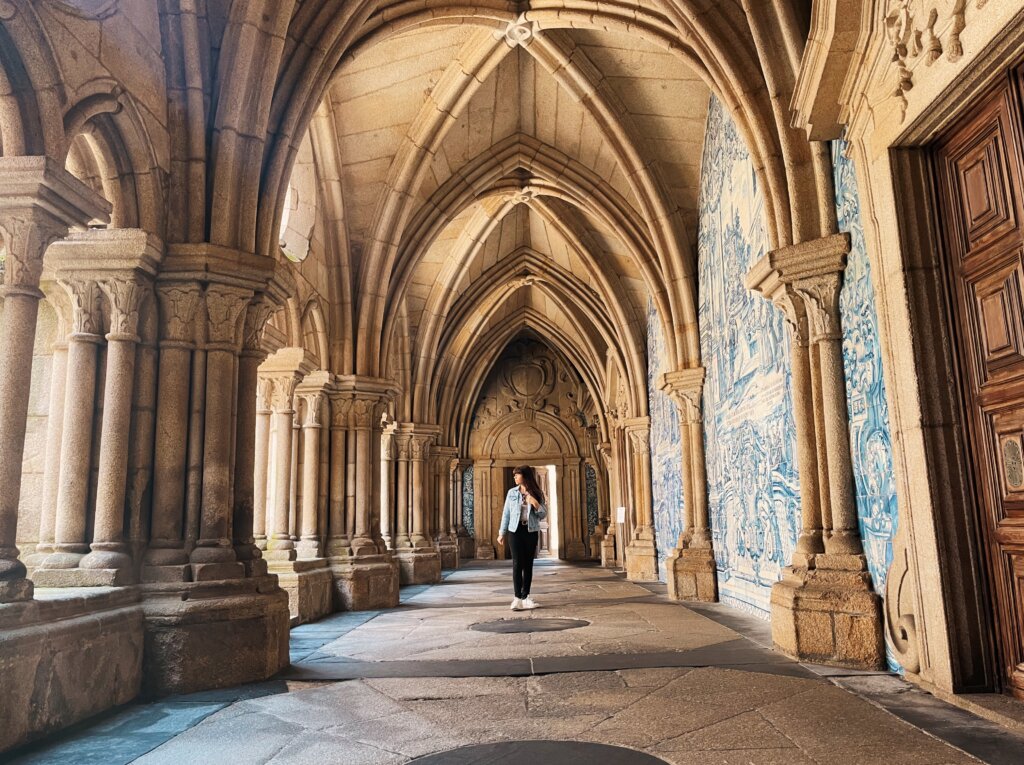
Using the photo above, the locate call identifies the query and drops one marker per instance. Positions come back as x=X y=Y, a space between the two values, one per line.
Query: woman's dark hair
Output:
x=530 y=481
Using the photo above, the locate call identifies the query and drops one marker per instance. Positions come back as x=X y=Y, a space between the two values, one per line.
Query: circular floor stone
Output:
x=512 y=626
x=540 y=753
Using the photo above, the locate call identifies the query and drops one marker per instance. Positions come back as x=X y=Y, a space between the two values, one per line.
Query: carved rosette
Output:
x=224 y=307
x=518 y=32
x=86 y=316
x=178 y=304
x=821 y=299
x=125 y=297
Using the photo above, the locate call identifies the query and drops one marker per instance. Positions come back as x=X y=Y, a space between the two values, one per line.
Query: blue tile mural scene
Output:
x=865 y=388
x=593 y=509
x=753 y=486
x=666 y=466
x=467 y=499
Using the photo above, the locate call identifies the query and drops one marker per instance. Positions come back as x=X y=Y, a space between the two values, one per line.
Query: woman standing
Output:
x=524 y=510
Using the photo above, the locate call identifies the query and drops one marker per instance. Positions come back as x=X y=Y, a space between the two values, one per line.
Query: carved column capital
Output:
x=420 y=447
x=685 y=387
x=224 y=307
x=264 y=395
x=26 y=238
x=178 y=302
x=86 y=314
x=57 y=297
x=125 y=297
x=821 y=299
x=282 y=397
x=341 y=410
x=314 y=409
x=640 y=436
x=402 y=446
x=387 y=446
x=257 y=313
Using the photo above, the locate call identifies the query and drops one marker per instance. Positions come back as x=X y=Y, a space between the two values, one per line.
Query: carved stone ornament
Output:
x=125 y=297
x=223 y=310
x=363 y=412
x=86 y=317
x=256 y=316
x=284 y=390
x=795 y=313
x=420 y=447
x=178 y=304
x=264 y=395
x=518 y=32
x=925 y=29
x=25 y=240
x=314 y=410
x=341 y=409
x=402 y=447
x=641 y=440
x=821 y=299
x=387 y=446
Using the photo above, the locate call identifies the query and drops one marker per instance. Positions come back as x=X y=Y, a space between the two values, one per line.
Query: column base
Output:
x=16 y=590
x=308 y=583
x=829 y=616
x=642 y=561
x=83 y=577
x=608 y=555
x=691 y=575
x=365 y=583
x=595 y=546
x=448 y=549
x=213 y=635
x=418 y=566
x=467 y=547
x=167 y=574
x=576 y=550
x=67 y=659
x=484 y=551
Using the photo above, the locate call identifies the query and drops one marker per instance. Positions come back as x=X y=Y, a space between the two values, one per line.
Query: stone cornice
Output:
x=36 y=183
x=213 y=263
x=106 y=253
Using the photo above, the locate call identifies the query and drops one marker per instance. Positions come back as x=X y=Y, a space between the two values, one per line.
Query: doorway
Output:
x=547 y=477
x=979 y=170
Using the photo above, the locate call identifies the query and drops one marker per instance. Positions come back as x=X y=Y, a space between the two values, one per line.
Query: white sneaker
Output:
x=517 y=604
x=527 y=603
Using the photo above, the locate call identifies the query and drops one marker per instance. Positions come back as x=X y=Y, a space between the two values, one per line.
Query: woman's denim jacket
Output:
x=510 y=514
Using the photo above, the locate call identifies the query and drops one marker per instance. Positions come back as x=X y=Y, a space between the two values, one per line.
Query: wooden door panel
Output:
x=999 y=329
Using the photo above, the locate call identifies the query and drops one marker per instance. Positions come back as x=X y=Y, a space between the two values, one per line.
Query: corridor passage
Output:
x=608 y=661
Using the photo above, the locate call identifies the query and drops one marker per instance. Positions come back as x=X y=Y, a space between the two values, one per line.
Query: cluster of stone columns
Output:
x=824 y=609
x=690 y=566
x=641 y=552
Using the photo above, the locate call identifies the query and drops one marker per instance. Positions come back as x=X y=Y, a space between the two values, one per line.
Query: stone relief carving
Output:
x=86 y=316
x=223 y=309
x=125 y=298
x=923 y=29
x=314 y=410
x=256 y=316
x=284 y=389
x=25 y=241
x=178 y=308
x=517 y=32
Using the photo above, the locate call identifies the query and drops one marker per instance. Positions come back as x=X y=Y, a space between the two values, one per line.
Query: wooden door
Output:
x=979 y=173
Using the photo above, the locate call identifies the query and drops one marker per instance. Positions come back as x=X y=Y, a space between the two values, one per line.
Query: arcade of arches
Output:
x=289 y=286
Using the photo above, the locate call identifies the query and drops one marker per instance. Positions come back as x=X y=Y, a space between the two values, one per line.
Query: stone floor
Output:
x=675 y=683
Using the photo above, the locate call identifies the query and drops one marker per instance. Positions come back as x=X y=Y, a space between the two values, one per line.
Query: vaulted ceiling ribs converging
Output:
x=492 y=185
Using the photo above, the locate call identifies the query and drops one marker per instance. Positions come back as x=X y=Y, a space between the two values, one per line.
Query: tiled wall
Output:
x=753 y=487
x=593 y=508
x=467 y=499
x=666 y=468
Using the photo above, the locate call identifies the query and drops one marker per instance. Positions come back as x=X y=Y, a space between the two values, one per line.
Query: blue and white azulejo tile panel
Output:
x=870 y=441
x=593 y=508
x=753 y=486
x=467 y=499
x=666 y=464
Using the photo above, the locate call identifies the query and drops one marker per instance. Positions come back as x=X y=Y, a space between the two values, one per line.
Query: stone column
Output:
x=422 y=563
x=574 y=521
x=445 y=463
x=690 y=567
x=54 y=429
x=486 y=536
x=387 y=488
x=166 y=557
x=641 y=554
x=367 y=577
x=76 y=443
x=309 y=539
x=214 y=556
x=279 y=542
x=261 y=461
x=39 y=201
x=419 y=450
x=824 y=608
x=251 y=431
x=402 y=451
x=108 y=549
x=338 y=543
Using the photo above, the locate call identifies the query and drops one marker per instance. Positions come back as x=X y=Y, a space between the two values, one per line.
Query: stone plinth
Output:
x=467 y=547
x=828 y=616
x=213 y=634
x=576 y=550
x=418 y=566
x=642 y=561
x=484 y=551
x=690 y=574
x=448 y=549
x=65 y=657
x=308 y=583
x=364 y=583
x=608 y=559
x=82 y=577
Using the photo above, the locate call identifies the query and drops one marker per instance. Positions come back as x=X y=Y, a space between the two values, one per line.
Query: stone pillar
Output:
x=54 y=429
x=445 y=464
x=76 y=443
x=824 y=608
x=690 y=567
x=262 y=461
x=641 y=554
x=251 y=431
x=402 y=450
x=338 y=543
x=312 y=423
x=387 y=488
x=421 y=562
x=365 y=574
x=279 y=542
x=214 y=556
x=574 y=521
x=109 y=552
x=166 y=558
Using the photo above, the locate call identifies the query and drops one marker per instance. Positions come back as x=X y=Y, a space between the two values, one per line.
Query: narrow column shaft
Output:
x=17 y=336
x=76 y=450
x=419 y=538
x=309 y=541
x=689 y=480
x=402 y=496
x=336 y=526
x=246 y=458
x=845 y=537
x=701 y=530
x=387 y=490
x=279 y=537
x=261 y=465
x=293 y=482
x=362 y=539
x=108 y=548
x=54 y=431
x=820 y=444
x=810 y=541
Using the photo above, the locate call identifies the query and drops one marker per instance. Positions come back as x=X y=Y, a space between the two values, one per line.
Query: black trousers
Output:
x=523 y=544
